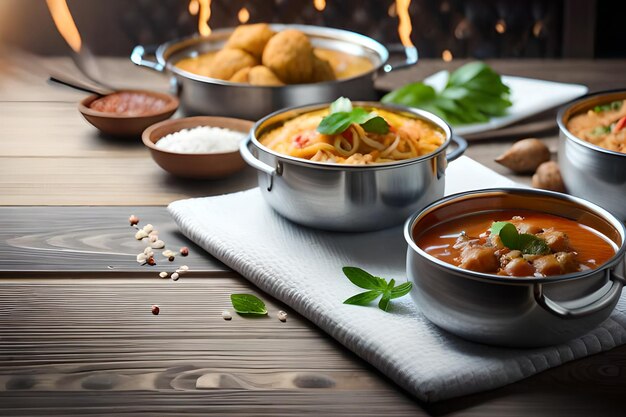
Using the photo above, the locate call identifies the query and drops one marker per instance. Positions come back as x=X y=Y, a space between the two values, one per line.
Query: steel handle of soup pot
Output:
x=138 y=57
x=604 y=301
x=461 y=146
x=411 y=55
x=244 y=150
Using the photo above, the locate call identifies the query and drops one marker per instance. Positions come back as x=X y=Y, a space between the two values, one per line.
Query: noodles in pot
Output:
x=407 y=137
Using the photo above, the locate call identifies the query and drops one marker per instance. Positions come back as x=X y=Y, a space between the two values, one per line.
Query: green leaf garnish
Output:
x=474 y=93
x=248 y=304
x=363 y=298
x=614 y=105
x=379 y=287
x=527 y=243
x=342 y=115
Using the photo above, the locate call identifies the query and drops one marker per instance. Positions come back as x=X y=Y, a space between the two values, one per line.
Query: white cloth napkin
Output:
x=302 y=268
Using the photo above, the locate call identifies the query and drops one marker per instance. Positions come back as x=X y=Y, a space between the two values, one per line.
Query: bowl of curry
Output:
x=592 y=149
x=515 y=267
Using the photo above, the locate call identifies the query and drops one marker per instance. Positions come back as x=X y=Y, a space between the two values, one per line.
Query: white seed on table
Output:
x=175 y=276
x=159 y=244
x=140 y=234
x=282 y=316
x=142 y=257
x=148 y=251
x=153 y=233
x=168 y=253
x=184 y=268
x=148 y=228
x=226 y=315
x=153 y=238
x=163 y=274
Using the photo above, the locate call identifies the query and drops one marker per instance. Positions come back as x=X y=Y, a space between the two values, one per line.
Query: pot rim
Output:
x=566 y=112
x=507 y=280
x=340 y=34
x=421 y=114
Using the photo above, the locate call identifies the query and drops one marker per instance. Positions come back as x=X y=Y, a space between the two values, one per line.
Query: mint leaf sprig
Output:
x=377 y=286
x=343 y=115
x=473 y=94
x=527 y=243
x=248 y=304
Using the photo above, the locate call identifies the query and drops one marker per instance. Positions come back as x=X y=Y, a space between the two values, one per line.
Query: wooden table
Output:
x=76 y=332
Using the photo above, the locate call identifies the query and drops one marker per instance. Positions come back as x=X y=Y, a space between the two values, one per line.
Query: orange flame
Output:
x=319 y=5
x=64 y=23
x=404 y=26
x=194 y=7
x=203 y=8
x=243 y=15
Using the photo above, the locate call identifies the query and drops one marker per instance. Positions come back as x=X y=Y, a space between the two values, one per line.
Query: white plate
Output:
x=529 y=96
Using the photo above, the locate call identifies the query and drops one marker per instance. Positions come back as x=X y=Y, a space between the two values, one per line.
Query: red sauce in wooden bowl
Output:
x=127 y=103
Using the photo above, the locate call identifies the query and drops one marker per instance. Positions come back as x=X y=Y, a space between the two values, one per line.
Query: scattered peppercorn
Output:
x=150 y=261
x=184 y=251
x=282 y=316
x=133 y=220
x=155 y=309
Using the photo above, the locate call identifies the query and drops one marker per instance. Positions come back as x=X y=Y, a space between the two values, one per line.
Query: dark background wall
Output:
x=471 y=28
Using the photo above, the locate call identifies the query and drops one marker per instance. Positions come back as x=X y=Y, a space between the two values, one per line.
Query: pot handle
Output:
x=605 y=300
x=411 y=59
x=137 y=56
x=244 y=150
x=461 y=146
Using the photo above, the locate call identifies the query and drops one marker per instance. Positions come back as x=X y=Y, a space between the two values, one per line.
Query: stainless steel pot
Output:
x=348 y=197
x=510 y=311
x=206 y=95
x=589 y=171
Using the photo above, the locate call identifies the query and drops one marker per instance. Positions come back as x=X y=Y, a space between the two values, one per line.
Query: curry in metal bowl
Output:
x=603 y=125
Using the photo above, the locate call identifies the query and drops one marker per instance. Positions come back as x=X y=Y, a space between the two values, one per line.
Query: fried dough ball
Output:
x=322 y=70
x=262 y=75
x=250 y=38
x=228 y=61
x=289 y=55
x=241 y=76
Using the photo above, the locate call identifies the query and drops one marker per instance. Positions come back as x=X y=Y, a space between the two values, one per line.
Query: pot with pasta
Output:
x=347 y=166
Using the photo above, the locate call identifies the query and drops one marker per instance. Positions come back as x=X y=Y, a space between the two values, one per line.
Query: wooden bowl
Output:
x=126 y=126
x=196 y=165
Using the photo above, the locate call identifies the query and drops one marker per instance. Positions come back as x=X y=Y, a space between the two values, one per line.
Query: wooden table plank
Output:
x=91 y=241
x=95 y=347
x=104 y=181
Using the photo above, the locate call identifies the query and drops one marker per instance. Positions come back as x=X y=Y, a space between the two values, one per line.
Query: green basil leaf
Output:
x=527 y=243
x=341 y=105
x=335 y=123
x=414 y=95
x=364 y=279
x=497 y=226
x=383 y=304
x=376 y=125
x=533 y=245
x=363 y=298
x=508 y=234
x=467 y=72
x=248 y=304
x=401 y=290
